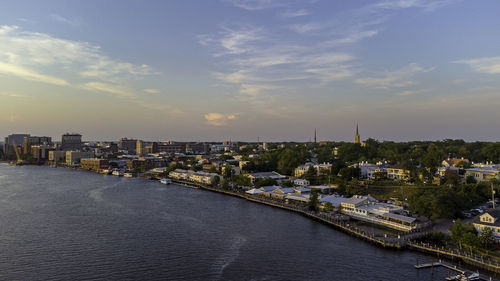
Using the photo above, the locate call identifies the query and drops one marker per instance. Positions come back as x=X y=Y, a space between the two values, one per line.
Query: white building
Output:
x=301 y=182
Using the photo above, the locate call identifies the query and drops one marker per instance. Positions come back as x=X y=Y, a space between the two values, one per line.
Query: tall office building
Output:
x=18 y=139
x=32 y=140
x=71 y=142
x=129 y=145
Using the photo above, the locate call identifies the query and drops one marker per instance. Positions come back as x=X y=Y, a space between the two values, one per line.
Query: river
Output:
x=63 y=224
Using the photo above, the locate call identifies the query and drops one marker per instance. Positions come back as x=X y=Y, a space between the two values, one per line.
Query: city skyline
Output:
x=242 y=69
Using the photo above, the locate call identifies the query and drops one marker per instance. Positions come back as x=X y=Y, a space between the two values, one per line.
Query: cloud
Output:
x=427 y=5
x=295 y=13
x=219 y=119
x=29 y=74
x=253 y=5
x=109 y=88
x=489 y=65
x=152 y=91
x=59 y=18
x=38 y=52
x=399 y=78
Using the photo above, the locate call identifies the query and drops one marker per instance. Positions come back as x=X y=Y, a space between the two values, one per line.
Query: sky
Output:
x=215 y=70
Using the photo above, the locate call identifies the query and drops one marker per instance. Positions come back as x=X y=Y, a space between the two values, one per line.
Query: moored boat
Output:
x=166 y=181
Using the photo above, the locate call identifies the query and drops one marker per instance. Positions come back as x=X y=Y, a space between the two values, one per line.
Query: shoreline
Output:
x=341 y=223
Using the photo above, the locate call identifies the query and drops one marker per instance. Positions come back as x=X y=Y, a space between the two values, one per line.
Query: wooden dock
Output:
x=461 y=273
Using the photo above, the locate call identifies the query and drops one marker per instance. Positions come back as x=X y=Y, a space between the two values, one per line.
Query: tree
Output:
x=313 y=201
x=328 y=207
x=457 y=231
x=486 y=237
x=215 y=181
x=224 y=184
x=265 y=182
x=450 y=178
x=470 y=179
x=288 y=183
x=243 y=180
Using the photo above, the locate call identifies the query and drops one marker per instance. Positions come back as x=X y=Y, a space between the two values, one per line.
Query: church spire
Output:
x=357 y=139
x=314 y=135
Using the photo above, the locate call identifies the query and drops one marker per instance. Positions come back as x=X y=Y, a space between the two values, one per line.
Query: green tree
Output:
x=328 y=207
x=486 y=237
x=287 y=183
x=243 y=180
x=215 y=181
x=265 y=182
x=224 y=184
x=313 y=201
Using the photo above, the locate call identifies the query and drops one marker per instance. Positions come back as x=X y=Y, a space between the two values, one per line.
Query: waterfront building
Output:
x=325 y=189
x=335 y=200
x=57 y=156
x=40 y=152
x=73 y=157
x=18 y=139
x=128 y=144
x=145 y=163
x=367 y=208
x=489 y=219
x=94 y=164
x=280 y=193
x=483 y=174
x=71 y=141
x=28 y=141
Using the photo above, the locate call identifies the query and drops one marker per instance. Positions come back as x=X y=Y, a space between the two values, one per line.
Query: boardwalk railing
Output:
x=482 y=261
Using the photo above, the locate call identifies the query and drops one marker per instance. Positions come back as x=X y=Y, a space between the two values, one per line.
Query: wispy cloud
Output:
x=427 y=5
x=29 y=74
x=218 y=119
x=294 y=13
x=59 y=18
x=399 y=78
x=253 y=5
x=152 y=91
x=489 y=65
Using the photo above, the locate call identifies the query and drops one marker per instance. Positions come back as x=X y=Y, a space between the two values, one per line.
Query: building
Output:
x=301 y=182
x=319 y=168
x=369 y=170
x=128 y=144
x=71 y=141
x=483 y=174
x=94 y=164
x=18 y=139
x=74 y=157
x=453 y=162
x=357 y=137
x=174 y=147
x=145 y=163
x=273 y=175
x=139 y=147
x=40 y=152
x=489 y=219
x=367 y=208
x=199 y=177
x=398 y=173
x=28 y=141
x=57 y=156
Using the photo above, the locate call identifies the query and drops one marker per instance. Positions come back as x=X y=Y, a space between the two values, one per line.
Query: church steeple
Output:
x=314 y=135
x=357 y=139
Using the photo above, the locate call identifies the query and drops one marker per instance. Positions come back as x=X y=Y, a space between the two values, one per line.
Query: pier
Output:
x=462 y=274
